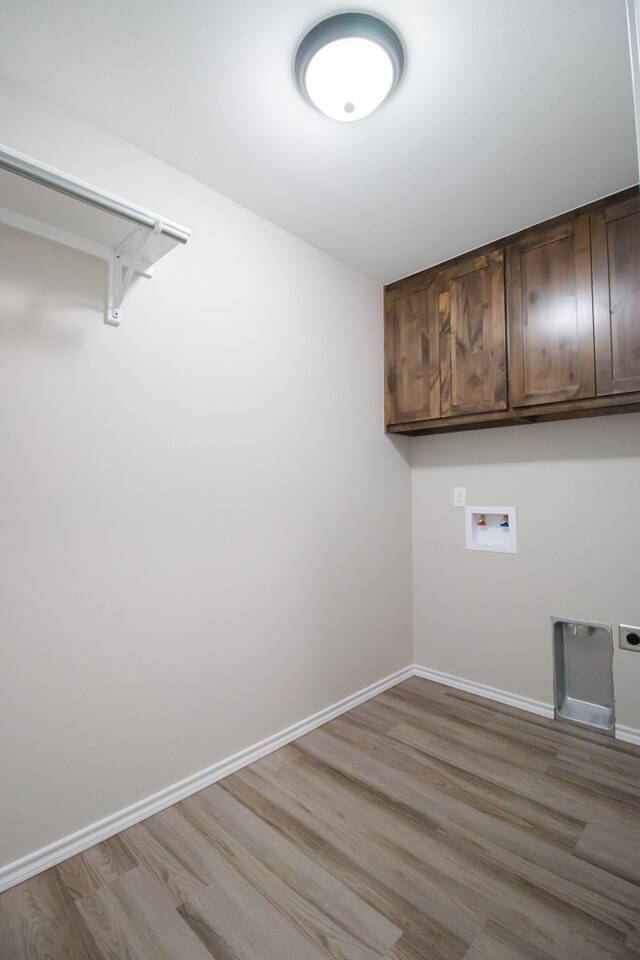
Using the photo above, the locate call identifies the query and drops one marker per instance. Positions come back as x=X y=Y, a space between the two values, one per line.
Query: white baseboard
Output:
x=491 y=693
x=628 y=734
x=55 y=853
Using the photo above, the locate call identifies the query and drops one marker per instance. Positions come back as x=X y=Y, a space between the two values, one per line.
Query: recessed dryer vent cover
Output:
x=583 y=674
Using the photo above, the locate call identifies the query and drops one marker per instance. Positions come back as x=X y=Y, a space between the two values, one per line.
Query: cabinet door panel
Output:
x=412 y=350
x=615 y=237
x=472 y=337
x=550 y=315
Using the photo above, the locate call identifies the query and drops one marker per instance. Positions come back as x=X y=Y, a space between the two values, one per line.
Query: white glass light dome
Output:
x=348 y=65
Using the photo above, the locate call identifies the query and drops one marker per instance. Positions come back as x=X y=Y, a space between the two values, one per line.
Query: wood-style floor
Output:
x=426 y=824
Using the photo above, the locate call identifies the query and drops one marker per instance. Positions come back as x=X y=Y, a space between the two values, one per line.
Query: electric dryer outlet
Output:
x=628 y=637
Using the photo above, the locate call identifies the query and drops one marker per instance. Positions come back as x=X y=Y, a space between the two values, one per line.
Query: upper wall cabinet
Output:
x=412 y=355
x=572 y=293
x=473 y=362
x=615 y=240
x=445 y=343
x=550 y=315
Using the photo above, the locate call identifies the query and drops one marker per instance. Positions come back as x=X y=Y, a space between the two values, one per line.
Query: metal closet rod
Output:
x=46 y=176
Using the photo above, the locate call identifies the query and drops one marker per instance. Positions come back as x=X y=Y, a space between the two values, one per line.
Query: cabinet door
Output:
x=412 y=355
x=615 y=240
x=473 y=362
x=550 y=315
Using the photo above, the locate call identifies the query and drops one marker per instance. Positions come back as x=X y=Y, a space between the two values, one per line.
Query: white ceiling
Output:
x=510 y=111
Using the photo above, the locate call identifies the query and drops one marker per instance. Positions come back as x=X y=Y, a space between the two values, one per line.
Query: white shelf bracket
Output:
x=122 y=267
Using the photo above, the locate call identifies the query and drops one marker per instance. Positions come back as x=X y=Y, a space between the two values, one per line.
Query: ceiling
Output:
x=510 y=111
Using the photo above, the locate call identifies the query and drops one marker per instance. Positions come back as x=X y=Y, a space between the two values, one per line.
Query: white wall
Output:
x=485 y=616
x=205 y=533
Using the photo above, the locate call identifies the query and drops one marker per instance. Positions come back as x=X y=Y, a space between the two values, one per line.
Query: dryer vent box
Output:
x=583 y=674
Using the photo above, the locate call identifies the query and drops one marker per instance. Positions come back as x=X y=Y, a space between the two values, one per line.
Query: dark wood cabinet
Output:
x=550 y=313
x=615 y=241
x=473 y=362
x=412 y=355
x=572 y=324
x=445 y=347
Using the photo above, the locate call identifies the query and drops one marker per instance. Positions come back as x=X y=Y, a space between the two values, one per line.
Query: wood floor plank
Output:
x=388 y=892
x=133 y=918
x=498 y=943
x=473 y=789
x=563 y=933
x=595 y=779
x=234 y=919
x=368 y=715
x=401 y=852
x=491 y=946
x=616 y=851
x=278 y=760
x=316 y=922
x=436 y=696
x=188 y=849
x=39 y=921
x=571 y=882
x=389 y=851
x=479 y=873
x=530 y=729
x=88 y=871
x=216 y=807
x=477 y=739
x=176 y=861
x=411 y=946
x=401 y=701
x=624 y=767
x=531 y=726
x=426 y=824
x=564 y=797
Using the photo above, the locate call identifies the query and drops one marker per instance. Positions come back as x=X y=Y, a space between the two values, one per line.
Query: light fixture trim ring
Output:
x=345 y=26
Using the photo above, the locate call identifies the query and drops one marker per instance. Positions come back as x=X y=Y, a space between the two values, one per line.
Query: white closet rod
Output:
x=46 y=176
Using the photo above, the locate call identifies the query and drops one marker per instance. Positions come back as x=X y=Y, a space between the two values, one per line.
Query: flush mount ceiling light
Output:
x=347 y=65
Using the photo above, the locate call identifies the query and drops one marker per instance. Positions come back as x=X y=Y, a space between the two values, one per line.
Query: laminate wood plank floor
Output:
x=426 y=824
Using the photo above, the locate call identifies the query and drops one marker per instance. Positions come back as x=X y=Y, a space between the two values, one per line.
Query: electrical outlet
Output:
x=459 y=496
x=628 y=637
